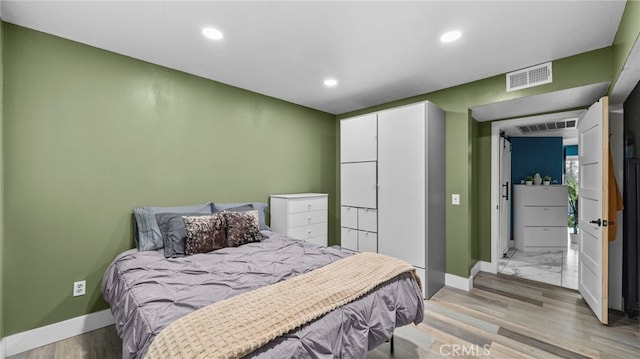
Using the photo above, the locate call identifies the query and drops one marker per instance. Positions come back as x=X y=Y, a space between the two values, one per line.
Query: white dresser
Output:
x=300 y=215
x=540 y=217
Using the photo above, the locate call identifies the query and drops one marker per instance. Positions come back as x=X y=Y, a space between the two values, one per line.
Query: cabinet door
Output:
x=367 y=219
x=358 y=183
x=367 y=242
x=349 y=239
x=401 y=174
x=349 y=217
x=358 y=141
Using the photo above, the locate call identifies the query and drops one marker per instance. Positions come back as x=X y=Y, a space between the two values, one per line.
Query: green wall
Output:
x=89 y=135
x=626 y=37
x=468 y=226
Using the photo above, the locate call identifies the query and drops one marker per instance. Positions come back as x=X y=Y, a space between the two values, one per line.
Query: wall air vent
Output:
x=547 y=126
x=529 y=77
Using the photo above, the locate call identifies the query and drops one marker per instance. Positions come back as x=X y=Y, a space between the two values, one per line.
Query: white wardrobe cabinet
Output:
x=403 y=214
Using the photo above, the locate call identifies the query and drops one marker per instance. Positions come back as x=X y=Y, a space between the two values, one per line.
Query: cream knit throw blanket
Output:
x=234 y=327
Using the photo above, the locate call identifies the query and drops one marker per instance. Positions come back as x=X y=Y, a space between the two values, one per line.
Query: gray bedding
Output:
x=147 y=291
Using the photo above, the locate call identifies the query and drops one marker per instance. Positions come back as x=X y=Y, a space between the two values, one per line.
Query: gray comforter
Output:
x=146 y=292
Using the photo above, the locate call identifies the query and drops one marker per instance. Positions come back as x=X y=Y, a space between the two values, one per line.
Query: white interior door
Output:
x=505 y=195
x=593 y=145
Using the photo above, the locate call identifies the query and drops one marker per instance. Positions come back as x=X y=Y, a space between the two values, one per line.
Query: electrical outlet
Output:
x=79 y=288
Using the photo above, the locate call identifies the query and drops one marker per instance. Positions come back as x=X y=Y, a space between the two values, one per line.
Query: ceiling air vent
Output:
x=529 y=77
x=547 y=126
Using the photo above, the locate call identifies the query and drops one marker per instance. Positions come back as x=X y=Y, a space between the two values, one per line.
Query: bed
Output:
x=147 y=292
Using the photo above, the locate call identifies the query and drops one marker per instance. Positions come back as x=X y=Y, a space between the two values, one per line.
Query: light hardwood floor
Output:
x=501 y=317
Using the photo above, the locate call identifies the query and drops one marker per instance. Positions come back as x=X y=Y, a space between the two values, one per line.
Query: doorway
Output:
x=543 y=259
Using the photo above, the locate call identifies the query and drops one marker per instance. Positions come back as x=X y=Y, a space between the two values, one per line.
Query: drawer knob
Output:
x=309 y=219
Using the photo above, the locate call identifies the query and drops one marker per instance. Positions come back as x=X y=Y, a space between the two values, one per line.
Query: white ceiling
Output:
x=379 y=51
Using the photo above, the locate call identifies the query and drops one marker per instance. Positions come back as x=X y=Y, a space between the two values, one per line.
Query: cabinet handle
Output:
x=309 y=219
x=309 y=205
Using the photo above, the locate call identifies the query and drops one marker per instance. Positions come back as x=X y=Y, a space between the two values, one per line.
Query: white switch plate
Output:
x=79 y=288
x=455 y=199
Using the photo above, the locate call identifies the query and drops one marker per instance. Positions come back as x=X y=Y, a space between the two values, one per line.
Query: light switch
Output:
x=455 y=199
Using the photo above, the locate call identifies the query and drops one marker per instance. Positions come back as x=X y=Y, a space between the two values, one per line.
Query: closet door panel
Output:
x=358 y=141
x=358 y=184
x=401 y=178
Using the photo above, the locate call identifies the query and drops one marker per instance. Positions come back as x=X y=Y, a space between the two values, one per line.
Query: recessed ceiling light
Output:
x=331 y=82
x=451 y=36
x=213 y=34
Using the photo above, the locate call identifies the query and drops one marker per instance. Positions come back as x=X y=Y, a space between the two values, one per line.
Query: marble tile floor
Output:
x=558 y=267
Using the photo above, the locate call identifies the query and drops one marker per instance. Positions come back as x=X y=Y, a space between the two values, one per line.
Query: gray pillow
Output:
x=147 y=230
x=261 y=207
x=174 y=234
x=248 y=207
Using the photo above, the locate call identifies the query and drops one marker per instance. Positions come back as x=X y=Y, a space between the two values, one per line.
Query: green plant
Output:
x=546 y=178
x=572 y=185
x=529 y=178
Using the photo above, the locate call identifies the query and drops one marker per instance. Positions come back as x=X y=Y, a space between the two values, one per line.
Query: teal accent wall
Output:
x=571 y=150
x=531 y=155
x=89 y=135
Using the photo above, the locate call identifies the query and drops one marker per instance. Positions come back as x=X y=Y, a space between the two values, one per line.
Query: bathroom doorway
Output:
x=549 y=262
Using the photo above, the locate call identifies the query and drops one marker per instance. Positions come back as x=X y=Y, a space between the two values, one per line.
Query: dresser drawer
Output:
x=349 y=238
x=543 y=195
x=367 y=219
x=349 y=217
x=307 y=204
x=309 y=231
x=545 y=237
x=367 y=242
x=306 y=218
x=544 y=216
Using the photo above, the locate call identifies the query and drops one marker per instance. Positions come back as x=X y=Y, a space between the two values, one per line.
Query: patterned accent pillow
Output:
x=205 y=233
x=242 y=228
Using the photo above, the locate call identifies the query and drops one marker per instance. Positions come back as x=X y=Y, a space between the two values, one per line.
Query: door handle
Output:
x=506 y=196
x=598 y=222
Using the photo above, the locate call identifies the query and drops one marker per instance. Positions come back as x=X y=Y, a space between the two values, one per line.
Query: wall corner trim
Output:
x=462 y=283
x=488 y=267
x=34 y=338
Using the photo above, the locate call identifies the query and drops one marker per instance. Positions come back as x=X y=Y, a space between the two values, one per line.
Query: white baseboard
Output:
x=34 y=338
x=458 y=282
x=463 y=283
x=1 y=348
x=474 y=270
